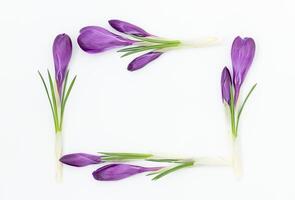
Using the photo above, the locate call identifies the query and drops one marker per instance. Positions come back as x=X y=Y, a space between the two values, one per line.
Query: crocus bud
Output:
x=143 y=60
x=225 y=85
x=115 y=172
x=95 y=39
x=242 y=54
x=80 y=159
x=62 y=52
x=127 y=28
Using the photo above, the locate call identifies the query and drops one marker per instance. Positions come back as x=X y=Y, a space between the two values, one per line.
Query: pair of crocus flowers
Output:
x=110 y=172
x=242 y=55
x=119 y=169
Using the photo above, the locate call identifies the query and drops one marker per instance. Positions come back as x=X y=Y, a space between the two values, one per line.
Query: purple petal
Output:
x=242 y=54
x=113 y=172
x=225 y=85
x=95 y=39
x=62 y=52
x=127 y=28
x=80 y=159
x=143 y=60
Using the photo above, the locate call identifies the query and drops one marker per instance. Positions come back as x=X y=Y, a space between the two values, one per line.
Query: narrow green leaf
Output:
x=232 y=111
x=154 y=173
x=152 y=40
x=178 y=167
x=110 y=156
x=69 y=91
x=244 y=103
x=53 y=97
x=48 y=96
x=165 y=160
x=64 y=87
x=62 y=109
x=144 y=48
x=125 y=154
x=140 y=48
x=65 y=99
x=131 y=52
x=120 y=156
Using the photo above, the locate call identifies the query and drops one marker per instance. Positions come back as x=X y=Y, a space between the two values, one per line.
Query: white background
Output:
x=172 y=106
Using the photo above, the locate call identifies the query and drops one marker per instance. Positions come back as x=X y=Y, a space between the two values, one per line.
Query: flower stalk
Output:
x=202 y=42
x=58 y=107
x=242 y=54
x=58 y=92
x=95 y=39
x=116 y=167
x=58 y=154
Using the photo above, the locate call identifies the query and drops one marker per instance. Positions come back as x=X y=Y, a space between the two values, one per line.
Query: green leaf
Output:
x=154 y=173
x=243 y=105
x=48 y=96
x=165 y=160
x=62 y=109
x=131 y=52
x=126 y=154
x=53 y=97
x=107 y=156
x=173 y=169
x=149 y=47
x=118 y=158
x=232 y=111
x=69 y=91
x=152 y=40
x=64 y=101
x=64 y=87
x=141 y=48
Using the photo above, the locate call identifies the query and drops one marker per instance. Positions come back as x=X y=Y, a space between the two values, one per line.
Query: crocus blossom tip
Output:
x=62 y=52
x=95 y=39
x=113 y=172
x=143 y=60
x=80 y=159
x=242 y=54
x=128 y=28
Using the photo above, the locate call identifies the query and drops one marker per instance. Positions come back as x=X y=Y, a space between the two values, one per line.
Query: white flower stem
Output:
x=202 y=42
x=58 y=154
x=236 y=159
x=212 y=161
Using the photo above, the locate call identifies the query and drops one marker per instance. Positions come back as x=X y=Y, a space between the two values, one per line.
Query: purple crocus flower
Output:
x=80 y=159
x=143 y=60
x=62 y=52
x=225 y=85
x=113 y=172
x=95 y=39
x=242 y=54
x=127 y=28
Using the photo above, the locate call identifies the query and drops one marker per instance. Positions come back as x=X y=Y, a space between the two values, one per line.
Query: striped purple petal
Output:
x=242 y=54
x=225 y=85
x=62 y=52
x=95 y=39
x=80 y=159
x=127 y=28
x=143 y=60
x=113 y=172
